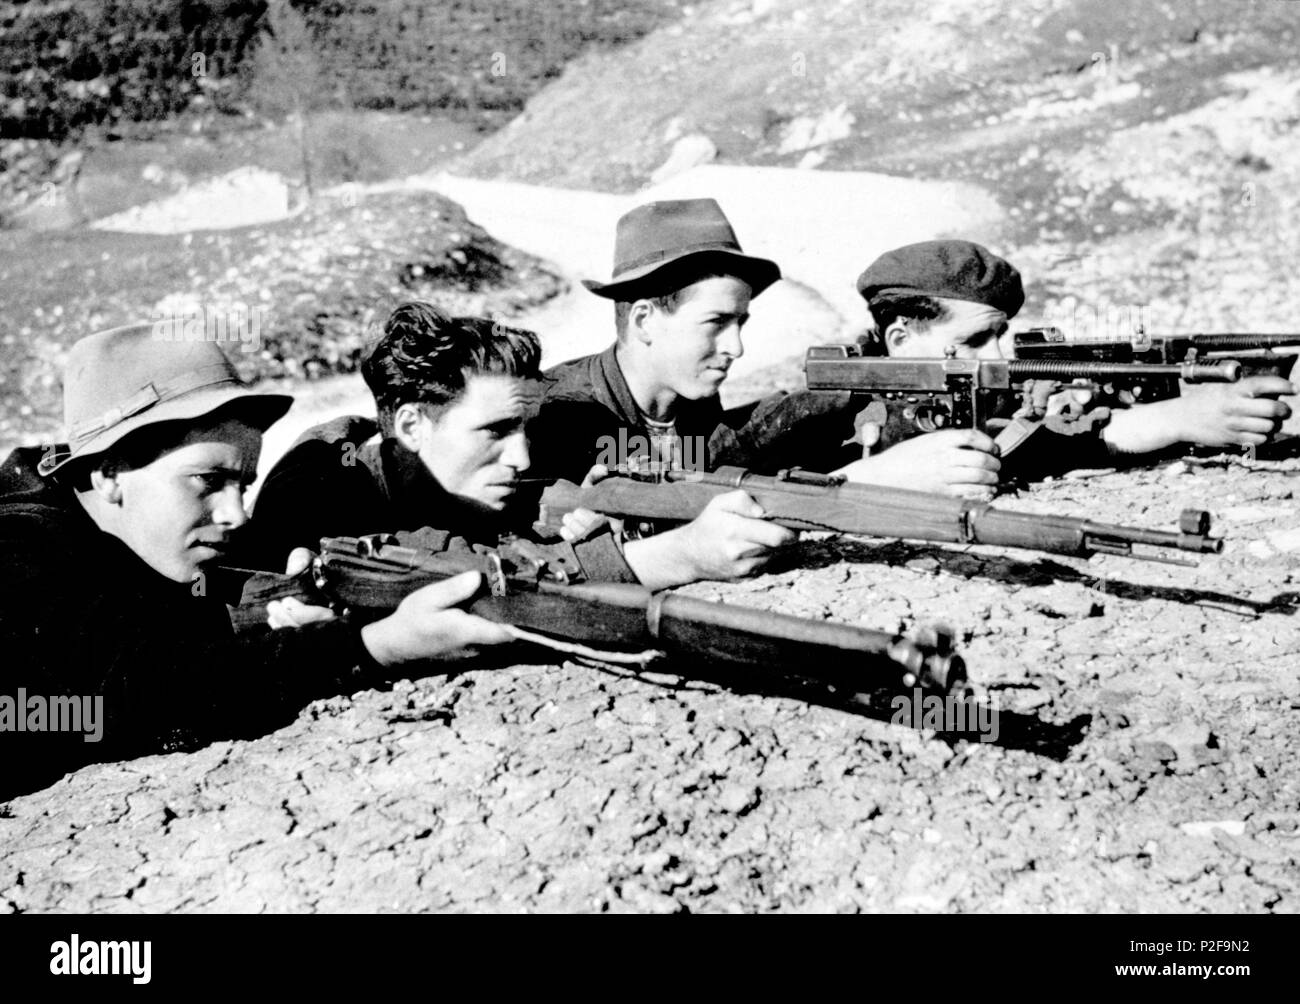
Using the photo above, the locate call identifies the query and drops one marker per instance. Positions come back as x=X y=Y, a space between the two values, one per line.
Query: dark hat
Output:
x=118 y=381
x=957 y=270
x=652 y=237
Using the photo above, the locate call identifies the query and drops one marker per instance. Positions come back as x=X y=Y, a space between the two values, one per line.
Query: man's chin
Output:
x=706 y=387
x=496 y=499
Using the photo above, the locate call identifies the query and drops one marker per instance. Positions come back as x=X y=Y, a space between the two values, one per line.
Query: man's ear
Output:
x=407 y=422
x=106 y=485
x=897 y=336
x=637 y=315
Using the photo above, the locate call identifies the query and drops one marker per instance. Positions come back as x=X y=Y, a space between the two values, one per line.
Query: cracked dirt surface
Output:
x=1143 y=760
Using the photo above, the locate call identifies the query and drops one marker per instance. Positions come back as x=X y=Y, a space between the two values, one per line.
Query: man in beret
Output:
x=949 y=296
x=111 y=601
x=681 y=290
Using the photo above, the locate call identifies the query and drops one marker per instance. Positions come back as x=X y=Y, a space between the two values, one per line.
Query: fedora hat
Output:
x=656 y=235
x=122 y=380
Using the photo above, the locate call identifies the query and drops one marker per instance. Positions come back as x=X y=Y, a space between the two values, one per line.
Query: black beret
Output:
x=958 y=270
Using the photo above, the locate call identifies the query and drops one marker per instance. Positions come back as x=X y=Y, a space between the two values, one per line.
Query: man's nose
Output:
x=730 y=343
x=229 y=509
x=515 y=453
x=992 y=349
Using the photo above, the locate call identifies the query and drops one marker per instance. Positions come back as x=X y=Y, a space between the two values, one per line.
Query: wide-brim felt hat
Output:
x=120 y=381
x=662 y=240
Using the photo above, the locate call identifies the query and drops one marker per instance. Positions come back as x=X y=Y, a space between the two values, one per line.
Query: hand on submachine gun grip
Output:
x=958 y=462
x=427 y=624
x=291 y=612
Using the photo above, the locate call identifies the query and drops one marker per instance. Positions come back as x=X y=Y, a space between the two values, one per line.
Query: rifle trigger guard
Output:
x=496 y=575
x=319 y=577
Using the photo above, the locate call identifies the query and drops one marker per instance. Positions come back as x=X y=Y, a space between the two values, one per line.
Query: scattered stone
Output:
x=738 y=799
x=1285 y=540
x=689 y=151
x=1206 y=827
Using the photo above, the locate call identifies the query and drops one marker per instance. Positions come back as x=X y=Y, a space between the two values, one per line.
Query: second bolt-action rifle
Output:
x=802 y=500
x=538 y=588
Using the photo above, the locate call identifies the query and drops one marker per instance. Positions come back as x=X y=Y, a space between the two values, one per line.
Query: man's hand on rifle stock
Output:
x=959 y=462
x=1245 y=413
x=426 y=624
x=728 y=540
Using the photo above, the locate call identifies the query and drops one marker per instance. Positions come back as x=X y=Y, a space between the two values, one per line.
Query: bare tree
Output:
x=288 y=77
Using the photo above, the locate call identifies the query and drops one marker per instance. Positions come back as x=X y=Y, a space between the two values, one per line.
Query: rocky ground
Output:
x=1143 y=758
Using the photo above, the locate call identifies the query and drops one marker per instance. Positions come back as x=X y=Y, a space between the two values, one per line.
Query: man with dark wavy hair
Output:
x=454 y=396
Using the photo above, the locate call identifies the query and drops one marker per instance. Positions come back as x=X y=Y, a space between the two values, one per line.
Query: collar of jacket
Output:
x=693 y=418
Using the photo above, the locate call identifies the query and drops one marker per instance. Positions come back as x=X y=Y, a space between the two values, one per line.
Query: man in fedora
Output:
x=954 y=296
x=109 y=598
x=681 y=290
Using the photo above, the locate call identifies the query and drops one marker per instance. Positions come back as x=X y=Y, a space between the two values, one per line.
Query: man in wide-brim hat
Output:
x=108 y=585
x=681 y=288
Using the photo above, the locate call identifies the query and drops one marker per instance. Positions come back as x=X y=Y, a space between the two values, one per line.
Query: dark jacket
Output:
x=340 y=480
x=82 y=615
x=588 y=412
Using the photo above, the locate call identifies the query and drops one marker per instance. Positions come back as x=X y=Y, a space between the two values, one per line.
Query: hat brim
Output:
x=261 y=410
x=759 y=273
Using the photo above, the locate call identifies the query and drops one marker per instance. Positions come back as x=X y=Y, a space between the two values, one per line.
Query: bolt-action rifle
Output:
x=802 y=500
x=538 y=588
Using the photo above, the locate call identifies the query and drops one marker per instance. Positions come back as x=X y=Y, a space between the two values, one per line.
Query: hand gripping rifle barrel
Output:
x=803 y=500
x=533 y=587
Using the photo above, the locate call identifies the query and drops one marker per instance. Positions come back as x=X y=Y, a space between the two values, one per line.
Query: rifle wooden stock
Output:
x=804 y=501
x=369 y=577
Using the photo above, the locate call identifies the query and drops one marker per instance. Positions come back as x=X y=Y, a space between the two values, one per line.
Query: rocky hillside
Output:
x=323 y=280
x=1147 y=154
